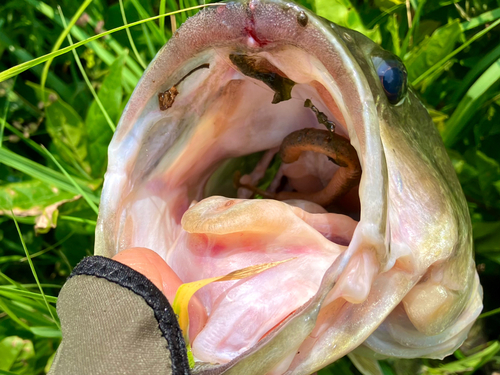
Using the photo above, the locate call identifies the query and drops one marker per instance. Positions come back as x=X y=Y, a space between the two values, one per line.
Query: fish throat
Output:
x=247 y=104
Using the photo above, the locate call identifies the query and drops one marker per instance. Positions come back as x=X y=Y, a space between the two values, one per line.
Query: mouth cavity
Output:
x=269 y=133
x=257 y=168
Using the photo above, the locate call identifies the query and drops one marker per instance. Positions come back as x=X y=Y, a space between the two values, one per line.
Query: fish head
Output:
x=393 y=278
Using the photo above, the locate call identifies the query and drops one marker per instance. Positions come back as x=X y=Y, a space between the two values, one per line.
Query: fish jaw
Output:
x=408 y=246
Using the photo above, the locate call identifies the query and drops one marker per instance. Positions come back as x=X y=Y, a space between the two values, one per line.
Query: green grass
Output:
x=50 y=116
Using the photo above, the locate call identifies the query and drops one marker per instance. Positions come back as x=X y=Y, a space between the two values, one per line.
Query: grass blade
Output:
x=131 y=41
x=41 y=252
x=15 y=70
x=12 y=315
x=162 y=20
x=483 y=18
x=441 y=63
x=43 y=173
x=384 y=13
x=489 y=313
x=78 y=220
x=26 y=286
x=34 y=272
x=183 y=15
x=6 y=111
x=4 y=118
x=74 y=183
x=130 y=76
x=469 y=364
x=22 y=55
x=7 y=291
x=9 y=280
x=151 y=25
x=35 y=146
x=470 y=103
x=414 y=26
x=9 y=259
x=86 y=78
x=149 y=42
x=472 y=74
x=59 y=41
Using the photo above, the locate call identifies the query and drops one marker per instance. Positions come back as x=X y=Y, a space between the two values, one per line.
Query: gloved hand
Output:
x=116 y=320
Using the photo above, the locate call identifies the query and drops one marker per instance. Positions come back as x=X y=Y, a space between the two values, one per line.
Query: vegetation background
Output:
x=57 y=118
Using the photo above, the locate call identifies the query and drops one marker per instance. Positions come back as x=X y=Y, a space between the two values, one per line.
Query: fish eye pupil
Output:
x=393 y=77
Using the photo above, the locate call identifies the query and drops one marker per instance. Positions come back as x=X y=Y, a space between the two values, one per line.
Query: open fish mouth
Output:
x=230 y=87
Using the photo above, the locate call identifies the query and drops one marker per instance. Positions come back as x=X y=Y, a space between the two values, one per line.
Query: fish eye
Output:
x=393 y=76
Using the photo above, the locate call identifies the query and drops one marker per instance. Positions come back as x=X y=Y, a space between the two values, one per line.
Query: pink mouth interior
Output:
x=219 y=235
x=241 y=312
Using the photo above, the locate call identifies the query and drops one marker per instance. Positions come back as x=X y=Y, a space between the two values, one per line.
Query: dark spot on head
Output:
x=302 y=19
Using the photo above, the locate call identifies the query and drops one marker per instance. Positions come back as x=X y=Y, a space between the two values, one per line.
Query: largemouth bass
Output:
x=376 y=230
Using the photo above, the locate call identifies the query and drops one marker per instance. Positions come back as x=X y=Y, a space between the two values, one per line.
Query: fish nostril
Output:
x=302 y=19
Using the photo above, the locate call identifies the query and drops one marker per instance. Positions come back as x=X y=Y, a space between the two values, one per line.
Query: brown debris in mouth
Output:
x=166 y=98
x=259 y=68
x=322 y=118
x=338 y=150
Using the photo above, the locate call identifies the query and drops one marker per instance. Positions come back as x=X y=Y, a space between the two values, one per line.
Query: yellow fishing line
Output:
x=186 y=291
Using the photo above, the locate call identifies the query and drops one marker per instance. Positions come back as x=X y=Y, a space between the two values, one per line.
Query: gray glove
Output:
x=115 y=321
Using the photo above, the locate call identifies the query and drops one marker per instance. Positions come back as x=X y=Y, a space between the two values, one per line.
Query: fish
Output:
x=383 y=269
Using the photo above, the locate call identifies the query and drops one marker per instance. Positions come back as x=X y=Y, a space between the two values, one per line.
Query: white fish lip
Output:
x=259 y=27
